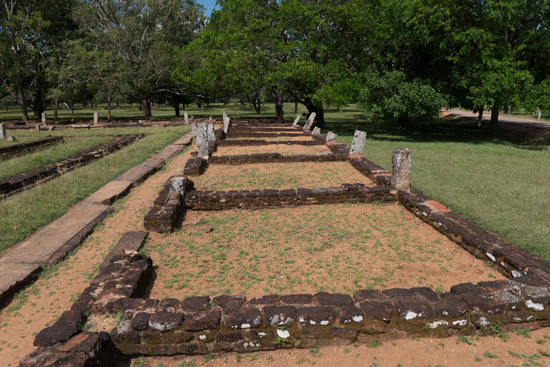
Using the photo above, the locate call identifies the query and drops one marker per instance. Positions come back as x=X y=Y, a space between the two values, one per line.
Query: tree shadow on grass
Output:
x=450 y=129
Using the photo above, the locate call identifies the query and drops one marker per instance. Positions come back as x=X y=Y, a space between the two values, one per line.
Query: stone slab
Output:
x=14 y=277
x=129 y=241
x=158 y=163
x=184 y=140
x=109 y=193
x=60 y=237
x=170 y=151
x=137 y=174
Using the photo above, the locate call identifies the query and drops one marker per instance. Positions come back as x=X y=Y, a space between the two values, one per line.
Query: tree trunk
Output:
x=22 y=101
x=109 y=111
x=256 y=104
x=55 y=107
x=177 y=108
x=480 y=117
x=37 y=99
x=319 y=111
x=295 y=105
x=403 y=120
x=278 y=99
x=145 y=112
x=243 y=104
x=494 y=121
x=506 y=109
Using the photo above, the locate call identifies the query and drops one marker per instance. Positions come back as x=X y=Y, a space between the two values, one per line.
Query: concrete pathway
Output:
x=504 y=119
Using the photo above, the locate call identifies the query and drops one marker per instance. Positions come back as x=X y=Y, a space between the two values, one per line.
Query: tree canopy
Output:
x=400 y=59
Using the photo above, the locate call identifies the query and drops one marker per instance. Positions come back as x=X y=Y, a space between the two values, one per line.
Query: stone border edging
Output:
x=259 y=199
x=18 y=149
x=244 y=143
x=26 y=180
x=234 y=160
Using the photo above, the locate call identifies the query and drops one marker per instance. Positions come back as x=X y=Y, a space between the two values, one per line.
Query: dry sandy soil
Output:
x=328 y=235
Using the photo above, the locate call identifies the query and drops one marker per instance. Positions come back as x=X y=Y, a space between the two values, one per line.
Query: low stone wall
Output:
x=246 y=134
x=338 y=148
x=64 y=343
x=26 y=148
x=262 y=129
x=201 y=325
x=234 y=160
x=195 y=167
x=245 y=143
x=169 y=205
x=31 y=178
x=258 y=199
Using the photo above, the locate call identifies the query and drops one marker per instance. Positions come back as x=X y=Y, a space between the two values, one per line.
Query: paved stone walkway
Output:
x=505 y=119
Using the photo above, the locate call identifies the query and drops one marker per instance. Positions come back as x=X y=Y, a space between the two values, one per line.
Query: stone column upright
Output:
x=316 y=131
x=44 y=118
x=401 y=169
x=202 y=141
x=224 y=115
x=358 y=143
x=296 y=121
x=310 y=120
x=96 y=118
x=194 y=126
x=331 y=136
x=186 y=117
x=226 y=122
x=3 y=131
x=211 y=134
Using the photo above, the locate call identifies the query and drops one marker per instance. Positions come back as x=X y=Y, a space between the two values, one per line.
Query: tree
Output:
x=489 y=44
x=309 y=50
x=391 y=98
x=140 y=38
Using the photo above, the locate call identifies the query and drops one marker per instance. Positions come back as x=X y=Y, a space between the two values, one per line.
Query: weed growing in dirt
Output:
x=489 y=354
x=464 y=339
x=373 y=344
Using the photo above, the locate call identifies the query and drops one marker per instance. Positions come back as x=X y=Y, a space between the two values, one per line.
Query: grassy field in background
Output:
x=24 y=213
x=56 y=153
x=501 y=185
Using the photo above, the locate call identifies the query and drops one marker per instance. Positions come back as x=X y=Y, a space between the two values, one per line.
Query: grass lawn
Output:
x=30 y=210
x=50 y=155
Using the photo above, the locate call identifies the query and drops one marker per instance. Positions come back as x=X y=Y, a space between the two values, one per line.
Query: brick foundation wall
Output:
x=258 y=199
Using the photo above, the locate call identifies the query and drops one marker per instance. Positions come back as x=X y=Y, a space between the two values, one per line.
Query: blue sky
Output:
x=208 y=4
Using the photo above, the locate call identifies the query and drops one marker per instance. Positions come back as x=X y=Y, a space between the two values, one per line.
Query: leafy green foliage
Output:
x=392 y=97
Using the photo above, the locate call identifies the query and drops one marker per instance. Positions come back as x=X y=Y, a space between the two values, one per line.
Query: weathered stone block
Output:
x=203 y=321
x=316 y=316
x=165 y=321
x=245 y=319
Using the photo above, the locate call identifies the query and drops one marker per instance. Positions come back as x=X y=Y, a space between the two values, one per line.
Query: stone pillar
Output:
x=226 y=121
x=224 y=115
x=296 y=121
x=37 y=127
x=310 y=121
x=211 y=134
x=186 y=117
x=401 y=169
x=317 y=131
x=3 y=131
x=202 y=140
x=44 y=119
x=96 y=118
x=358 y=143
x=12 y=138
x=193 y=126
x=331 y=136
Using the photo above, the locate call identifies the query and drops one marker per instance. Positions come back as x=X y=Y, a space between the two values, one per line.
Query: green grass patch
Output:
x=490 y=182
x=28 y=211
x=50 y=155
